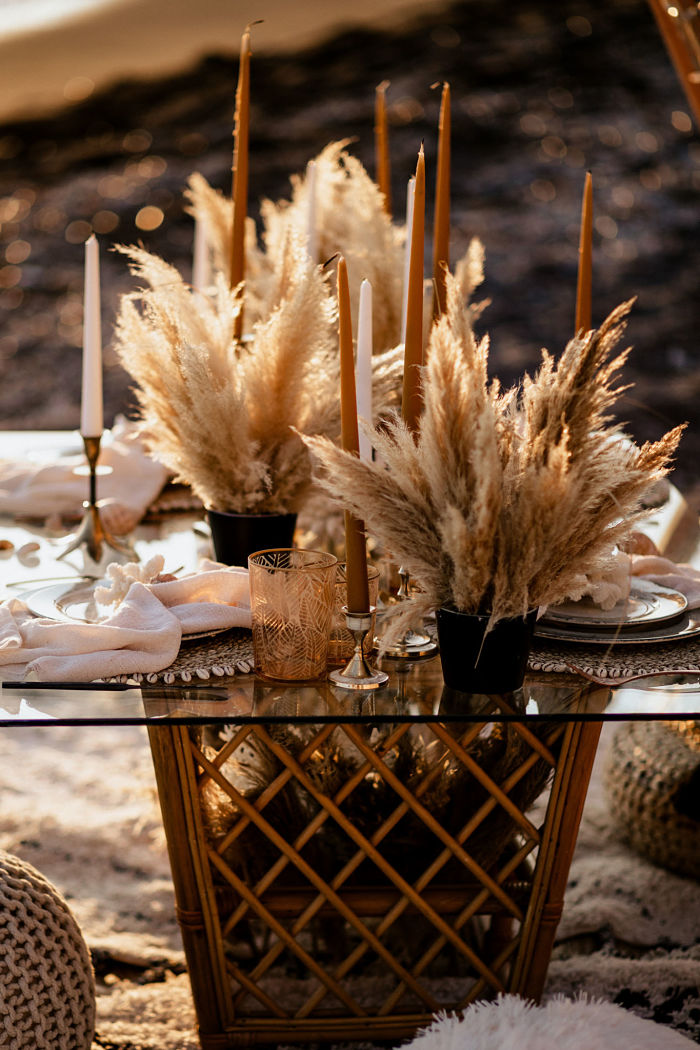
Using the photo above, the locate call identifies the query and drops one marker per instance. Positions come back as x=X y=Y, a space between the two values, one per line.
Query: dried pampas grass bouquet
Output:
x=504 y=501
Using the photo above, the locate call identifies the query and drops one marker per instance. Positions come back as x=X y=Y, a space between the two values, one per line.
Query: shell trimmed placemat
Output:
x=619 y=664
x=225 y=654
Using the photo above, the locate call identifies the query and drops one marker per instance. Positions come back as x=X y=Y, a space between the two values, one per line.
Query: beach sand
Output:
x=43 y=69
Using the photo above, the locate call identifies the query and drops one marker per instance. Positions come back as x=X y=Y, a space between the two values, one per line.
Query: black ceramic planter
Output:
x=477 y=661
x=236 y=536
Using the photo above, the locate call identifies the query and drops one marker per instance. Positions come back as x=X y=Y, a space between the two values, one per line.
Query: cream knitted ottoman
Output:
x=47 y=990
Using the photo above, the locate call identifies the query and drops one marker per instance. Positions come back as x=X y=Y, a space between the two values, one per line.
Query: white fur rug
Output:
x=561 y=1024
x=80 y=805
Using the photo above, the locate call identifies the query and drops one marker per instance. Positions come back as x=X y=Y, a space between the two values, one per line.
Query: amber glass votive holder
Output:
x=292 y=597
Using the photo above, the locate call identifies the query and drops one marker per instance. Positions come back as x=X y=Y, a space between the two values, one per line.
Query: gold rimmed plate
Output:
x=648 y=604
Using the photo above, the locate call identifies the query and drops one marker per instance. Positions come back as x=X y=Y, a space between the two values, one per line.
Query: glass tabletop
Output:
x=413 y=693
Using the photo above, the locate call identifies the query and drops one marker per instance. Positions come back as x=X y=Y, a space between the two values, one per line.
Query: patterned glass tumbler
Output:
x=342 y=643
x=292 y=594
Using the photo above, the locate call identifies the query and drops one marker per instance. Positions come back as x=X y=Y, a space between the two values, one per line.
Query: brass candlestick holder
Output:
x=91 y=536
x=412 y=645
x=358 y=673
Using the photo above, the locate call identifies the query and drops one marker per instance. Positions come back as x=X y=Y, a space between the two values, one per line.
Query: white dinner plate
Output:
x=648 y=604
x=75 y=603
x=67 y=602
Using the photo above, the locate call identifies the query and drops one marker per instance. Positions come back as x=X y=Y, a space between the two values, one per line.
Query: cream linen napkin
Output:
x=677 y=576
x=142 y=635
x=40 y=490
x=614 y=587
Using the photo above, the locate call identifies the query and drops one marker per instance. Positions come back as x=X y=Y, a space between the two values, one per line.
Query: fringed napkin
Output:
x=42 y=490
x=143 y=635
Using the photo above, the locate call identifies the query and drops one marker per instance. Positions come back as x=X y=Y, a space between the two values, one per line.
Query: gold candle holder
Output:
x=412 y=645
x=358 y=673
x=91 y=536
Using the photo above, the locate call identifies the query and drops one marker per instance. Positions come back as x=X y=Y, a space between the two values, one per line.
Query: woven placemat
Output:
x=618 y=663
x=224 y=654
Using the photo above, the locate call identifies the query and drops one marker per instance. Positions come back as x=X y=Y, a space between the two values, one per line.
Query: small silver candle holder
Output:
x=358 y=673
x=412 y=645
x=91 y=536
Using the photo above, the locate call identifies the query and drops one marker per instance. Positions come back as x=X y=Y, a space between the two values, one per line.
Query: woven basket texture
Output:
x=47 y=990
x=652 y=781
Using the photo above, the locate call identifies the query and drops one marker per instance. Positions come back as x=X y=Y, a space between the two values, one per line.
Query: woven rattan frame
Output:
x=278 y=904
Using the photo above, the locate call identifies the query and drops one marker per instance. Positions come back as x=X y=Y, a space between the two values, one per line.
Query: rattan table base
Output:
x=330 y=877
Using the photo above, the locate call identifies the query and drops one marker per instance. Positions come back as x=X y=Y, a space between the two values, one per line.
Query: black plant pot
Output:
x=236 y=536
x=477 y=661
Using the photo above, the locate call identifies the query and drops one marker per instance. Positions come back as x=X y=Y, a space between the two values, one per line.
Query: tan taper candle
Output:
x=355 y=544
x=441 y=230
x=411 y=402
x=585 y=260
x=240 y=173
x=381 y=144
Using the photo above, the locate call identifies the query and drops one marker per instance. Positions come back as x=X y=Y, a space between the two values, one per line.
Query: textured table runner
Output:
x=232 y=653
x=618 y=664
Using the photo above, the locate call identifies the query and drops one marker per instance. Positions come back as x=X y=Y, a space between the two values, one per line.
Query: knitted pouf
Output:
x=652 y=780
x=47 y=990
x=511 y=1023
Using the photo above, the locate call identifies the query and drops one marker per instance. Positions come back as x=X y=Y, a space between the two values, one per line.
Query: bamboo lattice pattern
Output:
x=355 y=879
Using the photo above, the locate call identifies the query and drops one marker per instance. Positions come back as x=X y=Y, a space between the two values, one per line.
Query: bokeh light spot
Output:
x=445 y=36
x=149 y=218
x=78 y=88
x=560 y=97
x=113 y=186
x=137 y=141
x=17 y=251
x=105 y=221
x=533 y=125
x=10 y=276
x=77 y=231
x=553 y=146
x=543 y=190
x=650 y=179
x=623 y=197
x=49 y=220
x=151 y=167
x=647 y=141
x=609 y=135
x=681 y=121
x=579 y=26
x=11 y=298
x=405 y=110
x=606 y=227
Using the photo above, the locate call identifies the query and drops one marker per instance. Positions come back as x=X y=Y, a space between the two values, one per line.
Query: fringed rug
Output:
x=80 y=805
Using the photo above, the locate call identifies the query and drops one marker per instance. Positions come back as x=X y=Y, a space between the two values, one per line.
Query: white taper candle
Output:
x=363 y=365
x=311 y=224
x=91 y=423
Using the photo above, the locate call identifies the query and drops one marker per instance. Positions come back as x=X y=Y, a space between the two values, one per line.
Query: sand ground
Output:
x=42 y=70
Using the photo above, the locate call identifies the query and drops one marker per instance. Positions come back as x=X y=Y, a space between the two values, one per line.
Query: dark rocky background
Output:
x=542 y=91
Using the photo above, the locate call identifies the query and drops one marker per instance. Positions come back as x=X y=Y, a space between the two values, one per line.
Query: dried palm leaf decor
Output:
x=504 y=501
